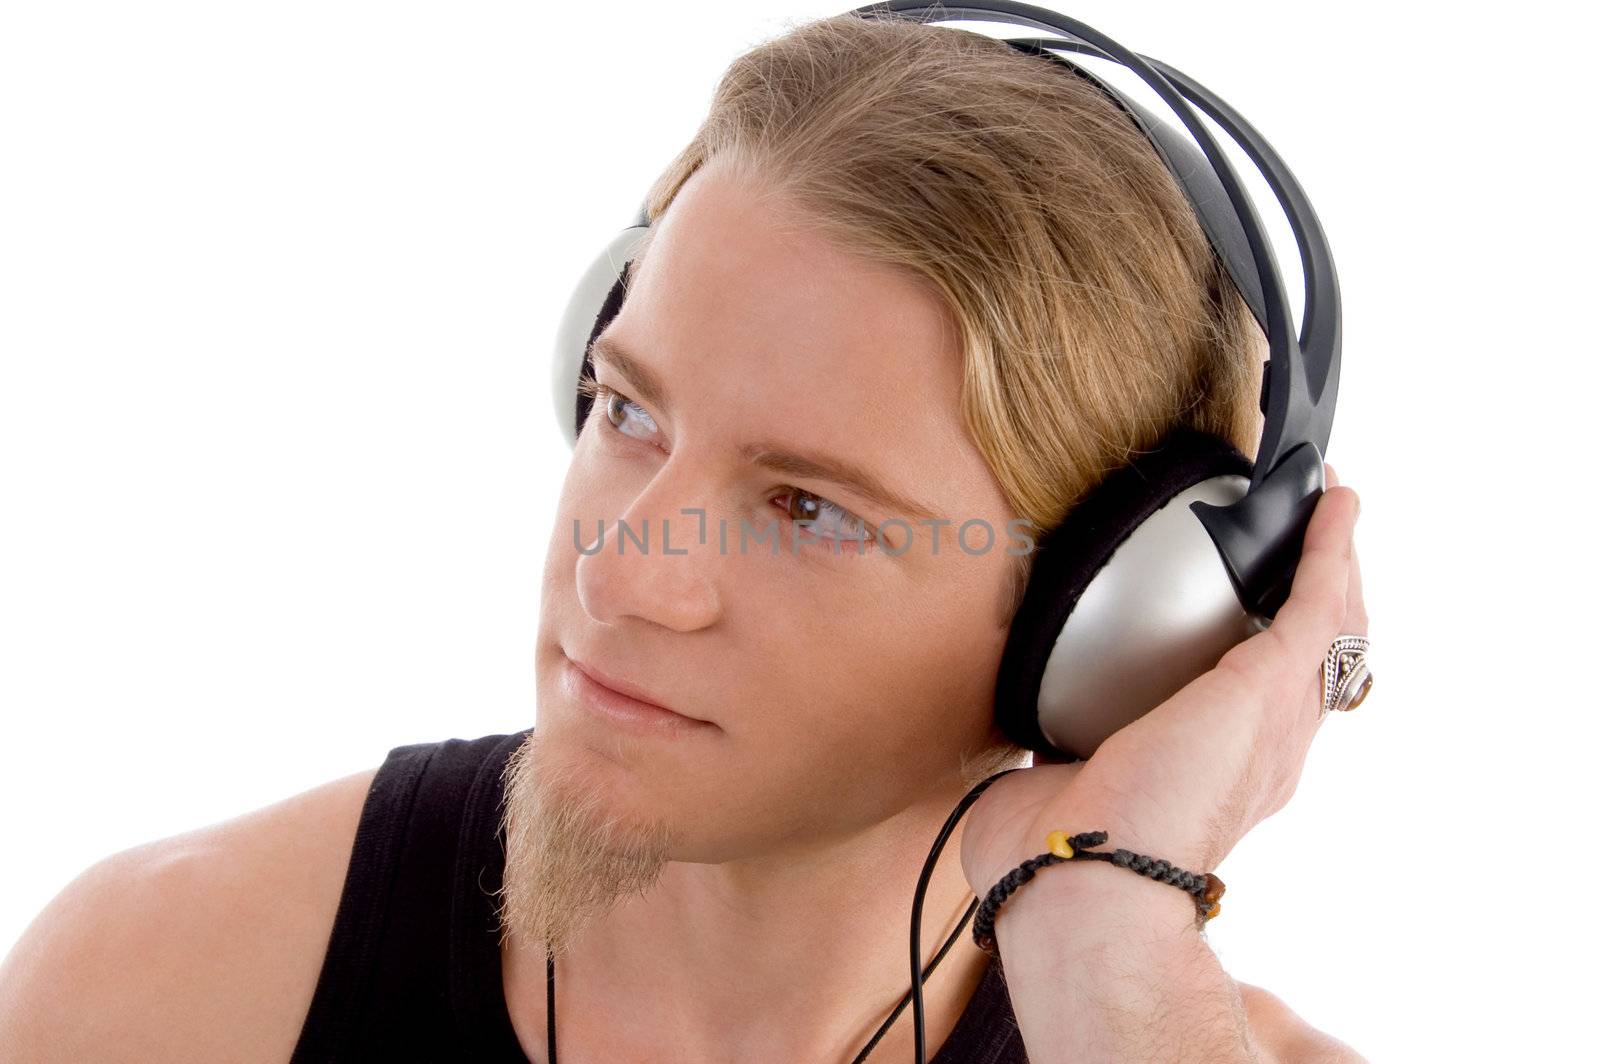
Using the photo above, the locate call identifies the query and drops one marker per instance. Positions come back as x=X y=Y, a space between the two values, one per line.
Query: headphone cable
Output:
x=919 y=975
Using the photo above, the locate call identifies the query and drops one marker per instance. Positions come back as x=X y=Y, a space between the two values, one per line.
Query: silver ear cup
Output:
x=577 y=323
x=1159 y=613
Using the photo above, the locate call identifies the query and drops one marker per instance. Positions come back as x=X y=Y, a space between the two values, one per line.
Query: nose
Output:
x=657 y=568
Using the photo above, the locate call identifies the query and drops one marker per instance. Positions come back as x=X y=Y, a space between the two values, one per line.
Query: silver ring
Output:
x=1346 y=679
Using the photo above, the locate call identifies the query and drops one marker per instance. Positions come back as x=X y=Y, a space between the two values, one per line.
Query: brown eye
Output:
x=828 y=519
x=802 y=506
x=627 y=417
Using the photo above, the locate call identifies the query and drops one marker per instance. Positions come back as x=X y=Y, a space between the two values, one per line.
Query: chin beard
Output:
x=568 y=860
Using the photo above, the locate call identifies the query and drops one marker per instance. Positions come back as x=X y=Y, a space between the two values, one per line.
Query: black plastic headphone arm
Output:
x=1280 y=328
x=1260 y=537
x=1320 y=332
x=1194 y=173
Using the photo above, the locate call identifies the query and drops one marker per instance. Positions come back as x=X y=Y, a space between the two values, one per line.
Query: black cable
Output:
x=906 y=1000
x=916 y=907
x=919 y=975
x=550 y=1005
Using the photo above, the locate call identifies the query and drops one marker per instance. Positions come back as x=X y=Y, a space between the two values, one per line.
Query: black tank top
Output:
x=412 y=970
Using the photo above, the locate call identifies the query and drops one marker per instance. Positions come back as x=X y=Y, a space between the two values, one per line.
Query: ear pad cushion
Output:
x=1069 y=557
x=596 y=294
x=608 y=310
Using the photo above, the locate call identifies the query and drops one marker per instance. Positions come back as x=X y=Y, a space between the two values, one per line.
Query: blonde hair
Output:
x=1093 y=315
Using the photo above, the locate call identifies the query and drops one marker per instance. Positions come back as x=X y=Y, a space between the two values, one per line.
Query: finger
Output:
x=1355 y=607
x=1355 y=604
x=1355 y=617
x=1314 y=612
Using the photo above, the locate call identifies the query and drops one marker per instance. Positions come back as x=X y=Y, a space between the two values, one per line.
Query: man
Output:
x=733 y=887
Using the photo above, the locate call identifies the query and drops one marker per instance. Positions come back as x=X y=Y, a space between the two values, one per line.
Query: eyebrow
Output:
x=647 y=386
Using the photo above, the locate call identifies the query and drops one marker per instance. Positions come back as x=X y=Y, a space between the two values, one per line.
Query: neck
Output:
x=796 y=955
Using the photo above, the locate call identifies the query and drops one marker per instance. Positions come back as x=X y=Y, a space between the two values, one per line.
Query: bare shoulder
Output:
x=202 y=946
x=1285 y=1037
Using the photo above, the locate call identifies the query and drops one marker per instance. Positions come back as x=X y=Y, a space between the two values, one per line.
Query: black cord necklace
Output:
x=550 y=992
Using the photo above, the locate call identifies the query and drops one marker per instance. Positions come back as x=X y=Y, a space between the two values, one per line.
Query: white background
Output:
x=278 y=461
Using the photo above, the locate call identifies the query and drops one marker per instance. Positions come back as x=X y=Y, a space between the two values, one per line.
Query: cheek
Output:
x=852 y=727
x=934 y=684
x=594 y=490
x=882 y=669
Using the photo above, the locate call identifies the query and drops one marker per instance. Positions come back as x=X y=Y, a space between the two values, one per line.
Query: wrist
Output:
x=1120 y=963
x=1143 y=826
x=1084 y=898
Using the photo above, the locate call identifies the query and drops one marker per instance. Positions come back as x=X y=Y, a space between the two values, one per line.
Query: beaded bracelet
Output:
x=1206 y=888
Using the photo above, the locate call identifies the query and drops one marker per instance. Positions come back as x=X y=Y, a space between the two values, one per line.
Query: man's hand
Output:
x=1282 y=1037
x=1187 y=780
x=1104 y=964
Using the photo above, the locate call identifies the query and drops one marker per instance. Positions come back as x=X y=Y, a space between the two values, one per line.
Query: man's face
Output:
x=841 y=686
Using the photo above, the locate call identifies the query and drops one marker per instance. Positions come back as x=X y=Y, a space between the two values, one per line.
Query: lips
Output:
x=624 y=687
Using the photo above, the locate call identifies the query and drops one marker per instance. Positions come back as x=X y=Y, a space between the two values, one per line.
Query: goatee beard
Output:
x=568 y=860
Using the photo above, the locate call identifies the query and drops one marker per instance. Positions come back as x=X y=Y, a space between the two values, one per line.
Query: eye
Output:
x=828 y=520
x=628 y=417
x=625 y=415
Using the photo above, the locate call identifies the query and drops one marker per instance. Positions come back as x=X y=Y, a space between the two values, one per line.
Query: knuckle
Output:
x=1242 y=661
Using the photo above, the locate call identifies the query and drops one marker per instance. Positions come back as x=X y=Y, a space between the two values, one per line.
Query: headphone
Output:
x=1184 y=550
